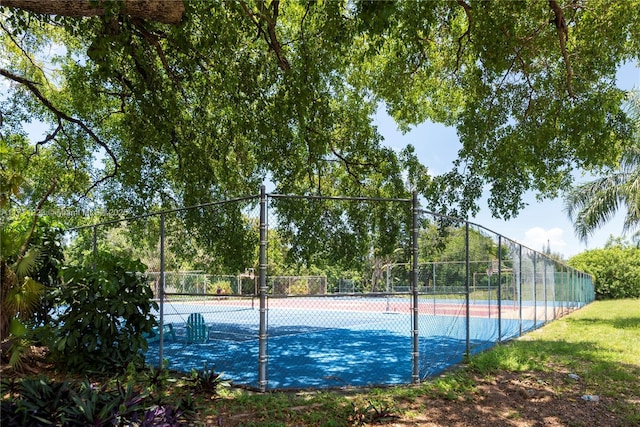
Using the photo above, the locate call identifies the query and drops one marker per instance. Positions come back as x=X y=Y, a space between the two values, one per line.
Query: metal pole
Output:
x=262 y=338
x=489 y=291
x=466 y=285
x=520 y=287
x=560 y=289
x=414 y=284
x=499 y=288
x=434 y=287
x=387 y=281
x=544 y=288
x=161 y=292
x=535 y=287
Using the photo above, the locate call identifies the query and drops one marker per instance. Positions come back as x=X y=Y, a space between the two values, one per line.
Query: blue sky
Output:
x=540 y=222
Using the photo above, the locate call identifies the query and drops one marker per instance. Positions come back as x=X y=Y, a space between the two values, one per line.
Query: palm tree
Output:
x=592 y=204
x=19 y=258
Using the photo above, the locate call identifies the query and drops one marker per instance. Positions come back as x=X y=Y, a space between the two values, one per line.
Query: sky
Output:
x=541 y=223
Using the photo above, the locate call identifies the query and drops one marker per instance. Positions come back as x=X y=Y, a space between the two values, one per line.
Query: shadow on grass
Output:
x=631 y=322
x=592 y=361
x=548 y=391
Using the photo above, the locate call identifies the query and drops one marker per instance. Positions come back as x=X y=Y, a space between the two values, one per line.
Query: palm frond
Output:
x=632 y=202
x=24 y=296
x=593 y=204
x=27 y=264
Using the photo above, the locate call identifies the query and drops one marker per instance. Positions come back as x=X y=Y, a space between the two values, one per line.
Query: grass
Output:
x=598 y=343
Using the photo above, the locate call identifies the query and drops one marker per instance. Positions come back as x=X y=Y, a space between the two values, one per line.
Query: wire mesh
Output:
x=339 y=302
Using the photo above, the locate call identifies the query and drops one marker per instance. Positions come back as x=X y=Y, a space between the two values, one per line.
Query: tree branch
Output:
x=467 y=33
x=563 y=34
x=32 y=87
x=270 y=34
x=165 y=11
x=153 y=40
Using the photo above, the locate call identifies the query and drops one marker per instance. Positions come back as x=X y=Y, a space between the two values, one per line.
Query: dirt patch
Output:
x=520 y=400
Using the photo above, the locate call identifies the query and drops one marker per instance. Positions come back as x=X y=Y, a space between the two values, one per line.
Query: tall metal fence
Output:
x=384 y=293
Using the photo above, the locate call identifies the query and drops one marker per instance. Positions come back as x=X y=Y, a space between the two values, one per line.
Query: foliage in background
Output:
x=107 y=309
x=212 y=239
x=616 y=269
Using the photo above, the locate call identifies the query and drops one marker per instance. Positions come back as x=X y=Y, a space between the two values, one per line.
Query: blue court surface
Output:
x=315 y=348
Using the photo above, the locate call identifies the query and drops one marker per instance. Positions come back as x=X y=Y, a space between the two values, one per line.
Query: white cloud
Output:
x=538 y=238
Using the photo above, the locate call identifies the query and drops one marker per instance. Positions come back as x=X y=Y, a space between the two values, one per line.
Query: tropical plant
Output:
x=20 y=260
x=41 y=401
x=207 y=380
x=594 y=203
x=108 y=309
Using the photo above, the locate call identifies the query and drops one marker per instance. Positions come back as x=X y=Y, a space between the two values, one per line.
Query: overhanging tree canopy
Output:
x=186 y=107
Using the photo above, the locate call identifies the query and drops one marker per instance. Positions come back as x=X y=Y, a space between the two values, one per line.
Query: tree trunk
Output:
x=165 y=11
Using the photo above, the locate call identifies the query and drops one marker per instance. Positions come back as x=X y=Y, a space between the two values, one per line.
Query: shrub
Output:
x=108 y=309
x=299 y=287
x=220 y=287
x=616 y=270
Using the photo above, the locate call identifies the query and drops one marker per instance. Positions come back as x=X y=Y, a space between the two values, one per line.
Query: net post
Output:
x=414 y=284
x=161 y=294
x=262 y=338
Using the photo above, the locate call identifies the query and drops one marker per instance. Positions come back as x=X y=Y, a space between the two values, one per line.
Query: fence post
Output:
x=466 y=285
x=262 y=338
x=535 y=287
x=414 y=284
x=499 y=288
x=520 y=288
x=161 y=294
x=544 y=288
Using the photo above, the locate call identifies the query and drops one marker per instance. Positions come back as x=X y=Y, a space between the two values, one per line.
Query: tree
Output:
x=592 y=204
x=241 y=91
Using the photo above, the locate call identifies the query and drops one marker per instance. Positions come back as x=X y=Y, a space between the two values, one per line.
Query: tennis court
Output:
x=316 y=342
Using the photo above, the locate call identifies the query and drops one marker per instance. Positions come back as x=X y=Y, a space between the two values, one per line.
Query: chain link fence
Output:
x=344 y=292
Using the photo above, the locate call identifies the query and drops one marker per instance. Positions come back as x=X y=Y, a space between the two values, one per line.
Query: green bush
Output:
x=299 y=287
x=616 y=270
x=107 y=310
x=220 y=287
